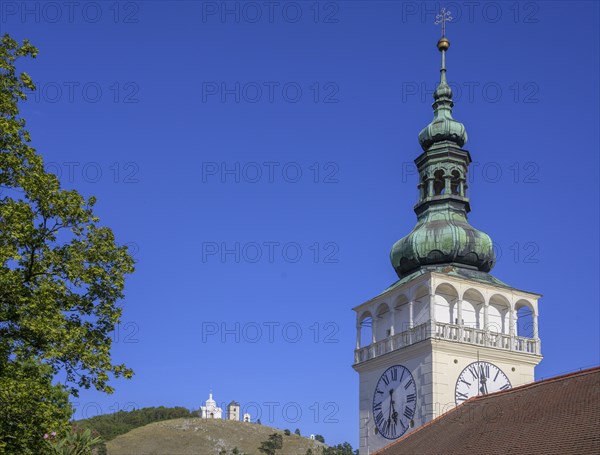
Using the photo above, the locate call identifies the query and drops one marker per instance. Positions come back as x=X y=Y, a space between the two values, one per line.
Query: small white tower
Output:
x=246 y=417
x=233 y=411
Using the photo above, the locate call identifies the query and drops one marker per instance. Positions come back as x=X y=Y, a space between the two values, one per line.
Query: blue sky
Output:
x=258 y=161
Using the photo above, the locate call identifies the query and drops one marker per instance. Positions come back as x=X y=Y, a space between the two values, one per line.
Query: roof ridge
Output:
x=482 y=397
x=540 y=382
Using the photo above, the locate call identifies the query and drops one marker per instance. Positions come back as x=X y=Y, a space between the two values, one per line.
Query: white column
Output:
x=486 y=322
x=432 y=308
x=432 y=314
x=512 y=321
x=411 y=319
x=393 y=322
x=358 y=327
x=459 y=320
x=536 y=336
x=373 y=329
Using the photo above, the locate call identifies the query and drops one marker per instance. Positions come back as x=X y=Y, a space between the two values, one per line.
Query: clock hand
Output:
x=483 y=388
x=393 y=408
x=391 y=404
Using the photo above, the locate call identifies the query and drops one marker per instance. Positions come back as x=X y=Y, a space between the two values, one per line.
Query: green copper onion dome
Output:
x=443 y=237
x=443 y=234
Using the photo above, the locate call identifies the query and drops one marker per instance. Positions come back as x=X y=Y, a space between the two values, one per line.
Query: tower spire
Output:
x=443 y=44
x=443 y=127
x=443 y=236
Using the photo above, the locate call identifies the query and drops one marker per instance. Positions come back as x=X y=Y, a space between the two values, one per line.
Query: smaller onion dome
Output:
x=443 y=127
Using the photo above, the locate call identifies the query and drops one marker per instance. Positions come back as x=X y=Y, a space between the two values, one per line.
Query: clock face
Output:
x=480 y=378
x=394 y=402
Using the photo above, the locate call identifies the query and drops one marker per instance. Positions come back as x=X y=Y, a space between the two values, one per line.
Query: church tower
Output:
x=447 y=330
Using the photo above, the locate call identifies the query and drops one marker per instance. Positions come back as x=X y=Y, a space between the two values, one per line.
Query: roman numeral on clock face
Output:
x=484 y=370
x=474 y=372
x=409 y=413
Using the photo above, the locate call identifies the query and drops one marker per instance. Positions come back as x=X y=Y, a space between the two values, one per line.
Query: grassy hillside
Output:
x=109 y=426
x=187 y=436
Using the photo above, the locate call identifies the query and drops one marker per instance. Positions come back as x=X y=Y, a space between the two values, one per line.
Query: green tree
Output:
x=340 y=449
x=319 y=438
x=271 y=445
x=61 y=272
x=30 y=405
x=297 y=431
x=287 y=432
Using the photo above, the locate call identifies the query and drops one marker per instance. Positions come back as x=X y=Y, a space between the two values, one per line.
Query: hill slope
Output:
x=195 y=436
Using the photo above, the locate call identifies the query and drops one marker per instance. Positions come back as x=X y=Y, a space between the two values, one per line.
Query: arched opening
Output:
x=439 y=183
x=525 y=320
x=472 y=309
x=455 y=183
x=499 y=315
x=383 y=326
x=402 y=322
x=366 y=329
x=446 y=310
x=421 y=306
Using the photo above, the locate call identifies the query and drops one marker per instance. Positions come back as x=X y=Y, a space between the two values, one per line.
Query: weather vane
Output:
x=442 y=18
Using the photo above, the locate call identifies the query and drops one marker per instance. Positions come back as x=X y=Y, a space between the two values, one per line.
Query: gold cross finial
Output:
x=442 y=18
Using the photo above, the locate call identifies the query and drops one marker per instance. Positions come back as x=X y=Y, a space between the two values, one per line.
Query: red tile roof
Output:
x=560 y=415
